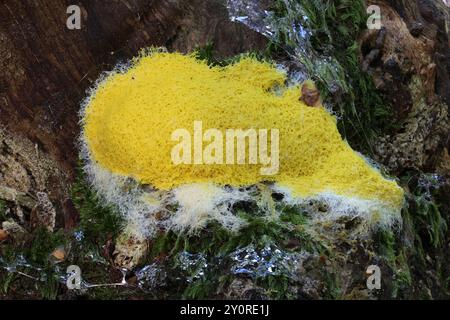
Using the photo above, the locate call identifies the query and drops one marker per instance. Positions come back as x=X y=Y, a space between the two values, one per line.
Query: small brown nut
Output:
x=310 y=94
x=310 y=97
x=3 y=234
x=59 y=254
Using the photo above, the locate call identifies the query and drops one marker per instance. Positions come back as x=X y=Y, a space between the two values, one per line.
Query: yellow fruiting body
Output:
x=129 y=121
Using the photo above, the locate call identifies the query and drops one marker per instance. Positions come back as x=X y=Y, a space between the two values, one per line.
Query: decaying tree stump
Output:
x=409 y=59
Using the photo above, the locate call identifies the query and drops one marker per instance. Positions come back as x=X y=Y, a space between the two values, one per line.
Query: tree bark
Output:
x=409 y=60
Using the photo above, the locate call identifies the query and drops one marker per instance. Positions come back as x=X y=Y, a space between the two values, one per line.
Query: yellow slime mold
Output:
x=130 y=119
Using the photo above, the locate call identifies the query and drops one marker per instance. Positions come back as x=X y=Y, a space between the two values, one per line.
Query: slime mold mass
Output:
x=129 y=120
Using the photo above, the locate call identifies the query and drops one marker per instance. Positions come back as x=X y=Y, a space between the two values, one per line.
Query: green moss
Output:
x=277 y=287
x=206 y=53
x=423 y=237
x=2 y=210
x=111 y=293
x=334 y=26
x=293 y=215
x=6 y=282
x=427 y=223
x=98 y=221
x=49 y=286
x=43 y=244
x=37 y=252
x=215 y=242
x=201 y=289
x=402 y=280
x=333 y=288
x=386 y=241
x=7 y=256
x=428 y=219
x=396 y=259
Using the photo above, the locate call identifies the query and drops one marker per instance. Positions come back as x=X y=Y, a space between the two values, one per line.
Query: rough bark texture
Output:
x=46 y=69
x=409 y=59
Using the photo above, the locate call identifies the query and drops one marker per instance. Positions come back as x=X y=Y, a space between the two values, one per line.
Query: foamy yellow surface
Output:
x=129 y=122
